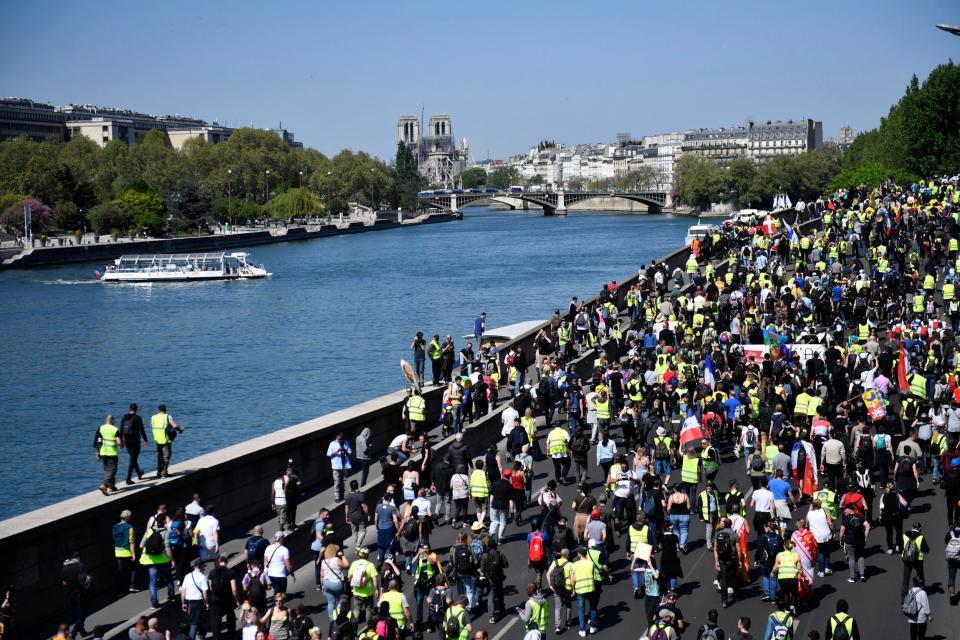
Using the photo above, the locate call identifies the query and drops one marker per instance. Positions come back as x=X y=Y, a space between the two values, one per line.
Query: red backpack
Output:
x=535 y=553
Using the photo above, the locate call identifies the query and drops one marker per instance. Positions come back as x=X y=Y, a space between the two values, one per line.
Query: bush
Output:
x=871 y=174
x=108 y=217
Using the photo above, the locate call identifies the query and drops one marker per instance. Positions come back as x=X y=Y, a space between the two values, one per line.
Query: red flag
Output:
x=902 y=371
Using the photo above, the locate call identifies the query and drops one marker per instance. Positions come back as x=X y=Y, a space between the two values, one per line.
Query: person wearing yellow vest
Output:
x=558 y=448
x=558 y=575
x=582 y=583
x=398 y=606
x=602 y=404
x=417 y=411
x=457 y=611
x=911 y=552
x=364 y=583
x=156 y=554
x=480 y=490
x=786 y=569
x=159 y=423
x=535 y=613
x=690 y=472
x=107 y=445
x=842 y=619
x=708 y=508
x=125 y=551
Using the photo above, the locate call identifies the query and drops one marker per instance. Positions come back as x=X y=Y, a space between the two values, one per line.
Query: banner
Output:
x=875 y=405
x=801 y=351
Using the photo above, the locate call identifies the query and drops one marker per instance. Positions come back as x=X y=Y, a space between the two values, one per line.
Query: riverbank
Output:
x=106 y=251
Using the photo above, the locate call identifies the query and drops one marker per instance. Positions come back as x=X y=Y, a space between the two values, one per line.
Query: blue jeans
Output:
x=333 y=589
x=952 y=573
x=662 y=468
x=194 y=617
x=153 y=572
x=582 y=600
x=468 y=588
x=672 y=583
x=936 y=468
x=364 y=470
x=768 y=585
x=574 y=424
x=682 y=525
x=636 y=579
x=401 y=456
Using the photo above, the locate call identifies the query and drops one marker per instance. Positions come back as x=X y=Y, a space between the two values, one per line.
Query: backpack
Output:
x=782 y=628
x=437 y=604
x=359 y=579
x=758 y=463
x=708 y=633
x=741 y=413
x=910 y=607
x=255 y=592
x=410 y=529
x=558 y=576
x=724 y=546
x=154 y=544
x=881 y=441
x=535 y=551
x=953 y=549
x=251 y=549
x=494 y=565
x=477 y=547
x=452 y=627
x=176 y=536
x=463 y=560
x=906 y=466
x=750 y=438
x=649 y=505
x=660 y=633
x=661 y=450
x=911 y=552
x=219 y=584
x=383 y=629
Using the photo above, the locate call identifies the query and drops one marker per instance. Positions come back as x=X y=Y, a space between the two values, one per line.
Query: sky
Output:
x=339 y=74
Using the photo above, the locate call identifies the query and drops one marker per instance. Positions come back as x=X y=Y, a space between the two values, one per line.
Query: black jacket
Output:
x=442 y=474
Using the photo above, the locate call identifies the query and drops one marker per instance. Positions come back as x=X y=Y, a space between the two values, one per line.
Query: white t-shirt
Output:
x=208 y=527
x=279 y=496
x=506 y=418
x=397 y=443
x=194 y=585
x=819 y=525
x=276 y=556
x=763 y=500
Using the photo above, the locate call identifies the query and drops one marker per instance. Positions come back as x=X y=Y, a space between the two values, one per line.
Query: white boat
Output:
x=182 y=267
x=698 y=231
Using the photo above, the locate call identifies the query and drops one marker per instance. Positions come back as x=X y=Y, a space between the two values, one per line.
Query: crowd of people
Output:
x=789 y=388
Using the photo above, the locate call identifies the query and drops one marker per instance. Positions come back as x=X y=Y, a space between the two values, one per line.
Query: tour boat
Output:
x=698 y=231
x=181 y=267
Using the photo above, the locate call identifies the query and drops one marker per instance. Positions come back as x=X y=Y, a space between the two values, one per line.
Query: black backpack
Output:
x=154 y=544
x=758 y=463
x=463 y=560
x=255 y=591
x=410 y=529
x=724 y=546
x=452 y=626
x=437 y=604
x=494 y=565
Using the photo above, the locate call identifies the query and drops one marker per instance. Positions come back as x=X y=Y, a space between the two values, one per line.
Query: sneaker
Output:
x=730 y=590
x=492 y=619
x=828 y=571
x=765 y=599
x=593 y=629
x=104 y=490
x=851 y=579
x=863 y=578
x=134 y=590
x=716 y=583
x=819 y=574
x=583 y=634
x=953 y=592
x=889 y=552
x=129 y=482
x=558 y=630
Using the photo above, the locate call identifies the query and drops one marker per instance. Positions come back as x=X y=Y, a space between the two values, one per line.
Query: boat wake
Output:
x=61 y=281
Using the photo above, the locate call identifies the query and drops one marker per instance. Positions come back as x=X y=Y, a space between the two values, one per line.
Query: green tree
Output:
x=503 y=178
x=740 y=174
x=108 y=217
x=294 y=203
x=698 y=181
x=146 y=208
x=408 y=179
x=67 y=216
x=472 y=178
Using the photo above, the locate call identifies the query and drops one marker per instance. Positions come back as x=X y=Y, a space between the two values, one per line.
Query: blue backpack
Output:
x=251 y=548
x=177 y=537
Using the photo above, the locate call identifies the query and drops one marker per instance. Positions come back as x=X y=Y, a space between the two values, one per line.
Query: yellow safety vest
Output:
x=362 y=567
x=691 y=265
x=801 y=406
x=917 y=541
x=918 y=385
x=557 y=442
x=417 y=407
x=690 y=470
x=638 y=535
x=479 y=488
x=789 y=565
x=564 y=336
x=929 y=283
x=540 y=614
x=863 y=331
x=158 y=426
x=583 y=577
x=634 y=391
x=709 y=465
x=705 y=503
x=770 y=453
x=434 y=350
x=828 y=500
x=948 y=292
x=124 y=551
x=396 y=606
x=108 y=441
x=603 y=409
x=841 y=619
x=456 y=611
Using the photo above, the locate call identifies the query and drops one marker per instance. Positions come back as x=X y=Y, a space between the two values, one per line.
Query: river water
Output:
x=235 y=360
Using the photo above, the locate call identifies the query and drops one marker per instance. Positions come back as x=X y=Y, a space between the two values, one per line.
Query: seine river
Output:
x=236 y=360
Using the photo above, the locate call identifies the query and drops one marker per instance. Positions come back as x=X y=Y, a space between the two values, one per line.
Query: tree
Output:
x=41 y=216
x=698 y=181
x=503 y=177
x=408 y=179
x=187 y=207
x=472 y=178
x=146 y=208
x=294 y=203
x=108 y=217
x=645 y=177
x=740 y=174
x=67 y=216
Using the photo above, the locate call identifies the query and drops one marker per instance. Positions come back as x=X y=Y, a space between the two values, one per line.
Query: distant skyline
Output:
x=509 y=74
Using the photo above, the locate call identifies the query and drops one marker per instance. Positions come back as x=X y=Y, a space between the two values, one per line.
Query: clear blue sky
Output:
x=338 y=74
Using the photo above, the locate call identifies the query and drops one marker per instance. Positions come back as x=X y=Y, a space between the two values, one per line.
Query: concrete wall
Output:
x=104 y=252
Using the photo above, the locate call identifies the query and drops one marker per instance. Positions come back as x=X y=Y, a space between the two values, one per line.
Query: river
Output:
x=235 y=360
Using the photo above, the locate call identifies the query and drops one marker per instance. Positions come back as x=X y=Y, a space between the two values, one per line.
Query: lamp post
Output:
x=266 y=196
x=300 y=181
x=229 y=195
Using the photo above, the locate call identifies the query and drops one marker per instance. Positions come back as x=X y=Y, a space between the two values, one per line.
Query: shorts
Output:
x=783 y=510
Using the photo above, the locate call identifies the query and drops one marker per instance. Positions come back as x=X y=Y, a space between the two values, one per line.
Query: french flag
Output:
x=709 y=373
x=690 y=432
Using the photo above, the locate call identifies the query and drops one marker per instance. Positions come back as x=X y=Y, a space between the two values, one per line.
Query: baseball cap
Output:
x=595 y=513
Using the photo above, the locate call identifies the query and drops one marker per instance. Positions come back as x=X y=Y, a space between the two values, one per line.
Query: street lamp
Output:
x=267 y=194
x=300 y=181
x=229 y=195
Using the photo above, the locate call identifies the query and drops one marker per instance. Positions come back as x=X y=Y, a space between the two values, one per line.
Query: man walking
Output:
x=435 y=353
x=131 y=432
x=339 y=453
x=163 y=428
x=223 y=598
x=193 y=598
x=78 y=585
x=107 y=445
x=727 y=559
